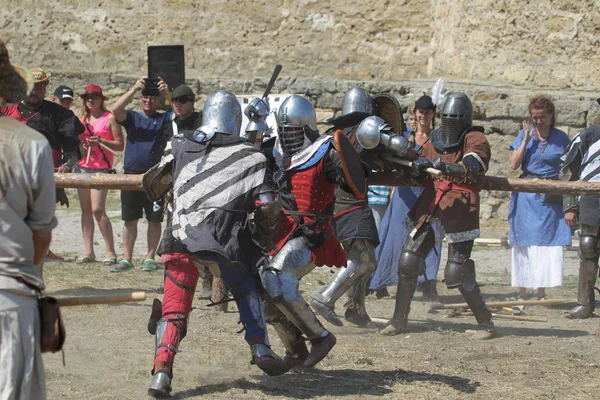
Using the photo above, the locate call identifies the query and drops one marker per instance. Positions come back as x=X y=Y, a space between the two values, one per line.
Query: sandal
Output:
x=84 y=260
x=109 y=261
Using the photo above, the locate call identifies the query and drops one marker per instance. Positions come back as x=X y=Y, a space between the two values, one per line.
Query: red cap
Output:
x=93 y=89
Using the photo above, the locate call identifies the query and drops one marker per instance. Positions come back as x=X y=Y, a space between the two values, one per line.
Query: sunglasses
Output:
x=183 y=99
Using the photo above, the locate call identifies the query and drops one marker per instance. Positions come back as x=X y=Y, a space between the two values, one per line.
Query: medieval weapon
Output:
x=439 y=306
x=100 y=299
x=258 y=109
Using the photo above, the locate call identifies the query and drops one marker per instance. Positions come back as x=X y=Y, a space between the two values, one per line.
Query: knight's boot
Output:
x=291 y=337
x=323 y=301
x=319 y=349
x=586 y=301
x=482 y=314
x=301 y=316
x=252 y=316
x=399 y=322
x=356 y=311
x=161 y=382
x=265 y=359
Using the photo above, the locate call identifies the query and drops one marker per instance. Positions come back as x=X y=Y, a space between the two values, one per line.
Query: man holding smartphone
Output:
x=145 y=145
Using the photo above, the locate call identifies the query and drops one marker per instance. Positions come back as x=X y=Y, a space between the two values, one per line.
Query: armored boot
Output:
x=323 y=301
x=319 y=349
x=161 y=382
x=293 y=341
x=265 y=359
x=405 y=292
x=356 y=311
x=482 y=314
x=586 y=301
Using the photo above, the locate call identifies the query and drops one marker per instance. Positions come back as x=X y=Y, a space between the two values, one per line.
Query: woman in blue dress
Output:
x=392 y=231
x=538 y=230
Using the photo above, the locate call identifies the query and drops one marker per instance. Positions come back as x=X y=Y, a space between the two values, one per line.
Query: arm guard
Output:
x=374 y=131
x=469 y=169
x=265 y=223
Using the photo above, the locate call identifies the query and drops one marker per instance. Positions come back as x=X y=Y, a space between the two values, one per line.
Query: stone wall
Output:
x=500 y=52
x=546 y=43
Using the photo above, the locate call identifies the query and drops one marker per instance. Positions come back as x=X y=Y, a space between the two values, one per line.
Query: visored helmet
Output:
x=296 y=120
x=457 y=116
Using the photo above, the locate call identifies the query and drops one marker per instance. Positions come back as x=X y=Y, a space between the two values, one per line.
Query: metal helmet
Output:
x=257 y=111
x=222 y=113
x=296 y=120
x=457 y=116
x=357 y=100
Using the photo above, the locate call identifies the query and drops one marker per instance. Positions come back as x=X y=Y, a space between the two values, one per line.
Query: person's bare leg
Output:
x=99 y=211
x=522 y=293
x=541 y=293
x=87 y=222
x=129 y=237
x=154 y=231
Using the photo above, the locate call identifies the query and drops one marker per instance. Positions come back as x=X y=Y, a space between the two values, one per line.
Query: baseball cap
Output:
x=93 y=89
x=181 y=91
x=63 y=92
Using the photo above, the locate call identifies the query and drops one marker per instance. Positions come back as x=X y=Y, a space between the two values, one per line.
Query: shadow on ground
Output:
x=341 y=382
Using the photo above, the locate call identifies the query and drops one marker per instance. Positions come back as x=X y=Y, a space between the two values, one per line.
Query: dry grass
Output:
x=109 y=353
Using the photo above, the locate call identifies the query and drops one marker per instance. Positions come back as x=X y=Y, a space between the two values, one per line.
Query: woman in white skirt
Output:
x=538 y=230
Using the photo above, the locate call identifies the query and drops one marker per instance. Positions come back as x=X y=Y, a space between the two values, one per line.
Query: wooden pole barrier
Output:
x=134 y=182
x=440 y=306
x=101 y=299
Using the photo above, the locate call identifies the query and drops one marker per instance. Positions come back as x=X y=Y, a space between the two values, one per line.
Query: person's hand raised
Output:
x=139 y=85
x=528 y=129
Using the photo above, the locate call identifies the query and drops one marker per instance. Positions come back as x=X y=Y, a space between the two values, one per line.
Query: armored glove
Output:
x=420 y=165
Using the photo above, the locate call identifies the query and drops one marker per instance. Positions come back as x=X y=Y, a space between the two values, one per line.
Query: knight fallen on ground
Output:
x=353 y=221
x=307 y=168
x=219 y=179
x=448 y=204
x=582 y=162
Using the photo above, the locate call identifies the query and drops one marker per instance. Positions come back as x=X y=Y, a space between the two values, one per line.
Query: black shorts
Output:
x=135 y=203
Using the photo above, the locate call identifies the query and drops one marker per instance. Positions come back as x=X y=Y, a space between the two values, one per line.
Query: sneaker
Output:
x=51 y=257
x=149 y=265
x=122 y=266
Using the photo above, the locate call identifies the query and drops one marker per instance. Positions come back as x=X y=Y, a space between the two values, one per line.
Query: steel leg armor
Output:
x=460 y=273
x=281 y=279
x=588 y=273
x=361 y=264
x=410 y=265
x=180 y=281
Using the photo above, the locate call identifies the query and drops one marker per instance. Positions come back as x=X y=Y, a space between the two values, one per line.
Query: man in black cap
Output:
x=144 y=149
x=63 y=95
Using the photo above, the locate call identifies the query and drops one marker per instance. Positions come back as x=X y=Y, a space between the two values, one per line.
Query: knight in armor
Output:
x=219 y=179
x=307 y=169
x=450 y=204
x=582 y=162
x=354 y=226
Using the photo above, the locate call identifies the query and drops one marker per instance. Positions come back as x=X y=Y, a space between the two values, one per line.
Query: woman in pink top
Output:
x=101 y=134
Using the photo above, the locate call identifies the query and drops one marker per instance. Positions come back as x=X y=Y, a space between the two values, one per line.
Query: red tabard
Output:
x=313 y=193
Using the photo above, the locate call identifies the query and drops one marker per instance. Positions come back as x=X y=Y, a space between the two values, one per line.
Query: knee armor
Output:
x=460 y=273
x=411 y=263
x=588 y=248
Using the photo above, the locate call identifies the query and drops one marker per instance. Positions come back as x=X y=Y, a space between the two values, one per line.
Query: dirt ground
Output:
x=109 y=353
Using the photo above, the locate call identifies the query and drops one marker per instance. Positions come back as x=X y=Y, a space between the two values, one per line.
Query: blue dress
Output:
x=392 y=235
x=538 y=219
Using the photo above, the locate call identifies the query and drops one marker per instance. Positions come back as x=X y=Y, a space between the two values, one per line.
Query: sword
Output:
x=272 y=80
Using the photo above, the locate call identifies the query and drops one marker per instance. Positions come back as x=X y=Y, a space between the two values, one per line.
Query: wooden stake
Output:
x=101 y=299
x=440 y=306
x=89 y=153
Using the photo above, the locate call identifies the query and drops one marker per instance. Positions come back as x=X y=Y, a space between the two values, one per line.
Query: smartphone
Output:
x=151 y=87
